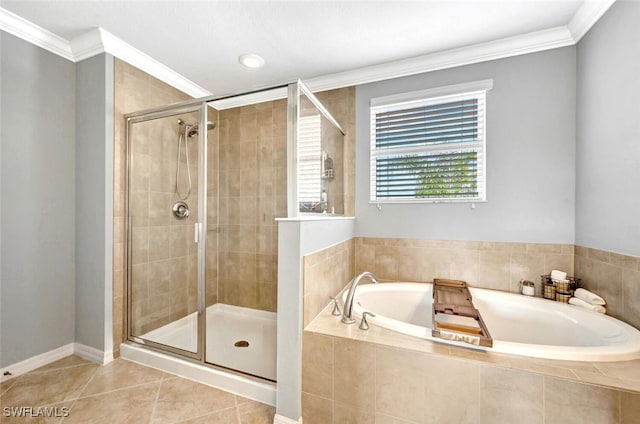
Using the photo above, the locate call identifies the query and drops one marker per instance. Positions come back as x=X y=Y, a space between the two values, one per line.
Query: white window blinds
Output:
x=309 y=158
x=428 y=149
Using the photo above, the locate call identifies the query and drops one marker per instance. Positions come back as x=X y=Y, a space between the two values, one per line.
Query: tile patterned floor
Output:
x=121 y=392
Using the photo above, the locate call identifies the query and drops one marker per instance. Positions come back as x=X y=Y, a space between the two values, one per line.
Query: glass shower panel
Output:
x=162 y=212
x=247 y=185
x=320 y=146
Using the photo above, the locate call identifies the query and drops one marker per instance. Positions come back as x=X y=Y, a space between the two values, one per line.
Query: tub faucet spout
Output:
x=348 y=303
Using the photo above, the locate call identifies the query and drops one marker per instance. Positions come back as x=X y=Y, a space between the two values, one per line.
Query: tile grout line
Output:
x=544 y=398
x=209 y=413
x=118 y=390
x=235 y=401
x=73 y=401
x=155 y=401
x=87 y=383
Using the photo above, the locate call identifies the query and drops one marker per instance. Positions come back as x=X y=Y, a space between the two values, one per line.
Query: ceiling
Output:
x=201 y=40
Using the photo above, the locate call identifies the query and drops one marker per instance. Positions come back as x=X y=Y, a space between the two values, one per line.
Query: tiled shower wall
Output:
x=341 y=104
x=134 y=90
x=253 y=192
x=247 y=169
x=163 y=251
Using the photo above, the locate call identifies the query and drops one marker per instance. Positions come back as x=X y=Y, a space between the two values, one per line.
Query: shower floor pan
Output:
x=242 y=339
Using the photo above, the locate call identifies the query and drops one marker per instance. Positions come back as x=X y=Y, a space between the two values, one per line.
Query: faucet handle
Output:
x=364 y=325
x=336 y=307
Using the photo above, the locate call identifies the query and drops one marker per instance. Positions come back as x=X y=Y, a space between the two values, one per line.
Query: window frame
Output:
x=476 y=89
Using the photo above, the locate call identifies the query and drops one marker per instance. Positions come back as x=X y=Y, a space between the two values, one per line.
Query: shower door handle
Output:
x=197 y=229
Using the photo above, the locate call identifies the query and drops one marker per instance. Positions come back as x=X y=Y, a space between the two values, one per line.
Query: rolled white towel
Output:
x=558 y=275
x=581 y=303
x=589 y=297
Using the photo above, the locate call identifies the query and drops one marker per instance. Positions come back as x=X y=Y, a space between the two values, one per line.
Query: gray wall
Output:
x=38 y=186
x=608 y=132
x=94 y=201
x=530 y=156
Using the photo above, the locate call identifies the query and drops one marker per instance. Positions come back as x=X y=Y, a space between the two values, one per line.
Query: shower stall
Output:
x=206 y=181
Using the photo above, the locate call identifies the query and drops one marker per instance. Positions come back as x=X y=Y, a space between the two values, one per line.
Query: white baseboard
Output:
x=37 y=361
x=89 y=353
x=280 y=419
x=92 y=354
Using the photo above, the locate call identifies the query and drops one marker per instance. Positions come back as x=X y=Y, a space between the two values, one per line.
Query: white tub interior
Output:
x=519 y=324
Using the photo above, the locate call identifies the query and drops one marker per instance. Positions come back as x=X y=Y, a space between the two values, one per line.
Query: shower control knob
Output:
x=181 y=210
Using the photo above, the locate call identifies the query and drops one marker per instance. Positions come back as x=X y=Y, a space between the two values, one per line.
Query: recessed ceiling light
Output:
x=251 y=60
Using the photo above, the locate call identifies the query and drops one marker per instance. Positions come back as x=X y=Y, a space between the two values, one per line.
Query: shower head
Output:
x=193 y=130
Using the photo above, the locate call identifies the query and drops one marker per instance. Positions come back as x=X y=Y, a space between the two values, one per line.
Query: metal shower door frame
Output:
x=199 y=230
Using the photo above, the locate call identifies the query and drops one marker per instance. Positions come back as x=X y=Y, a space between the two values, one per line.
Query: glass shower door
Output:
x=163 y=227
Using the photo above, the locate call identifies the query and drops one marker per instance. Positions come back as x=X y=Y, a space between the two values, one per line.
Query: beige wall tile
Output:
x=386 y=419
x=567 y=402
x=400 y=383
x=631 y=297
x=317 y=367
x=510 y=396
x=599 y=255
x=629 y=370
x=345 y=413
x=527 y=266
x=352 y=374
x=559 y=262
x=494 y=270
x=316 y=410
x=465 y=265
x=452 y=390
x=325 y=273
x=629 y=408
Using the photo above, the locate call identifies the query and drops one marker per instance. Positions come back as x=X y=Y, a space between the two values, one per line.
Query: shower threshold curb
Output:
x=261 y=391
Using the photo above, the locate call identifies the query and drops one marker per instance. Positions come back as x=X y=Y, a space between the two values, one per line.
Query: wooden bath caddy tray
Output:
x=454 y=316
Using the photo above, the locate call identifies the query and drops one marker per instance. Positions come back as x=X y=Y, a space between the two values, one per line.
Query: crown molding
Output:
x=87 y=45
x=32 y=33
x=93 y=43
x=98 y=40
x=127 y=53
x=513 y=46
x=586 y=16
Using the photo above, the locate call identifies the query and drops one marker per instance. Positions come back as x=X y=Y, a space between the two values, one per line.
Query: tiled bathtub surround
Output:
x=381 y=376
x=492 y=265
x=613 y=276
x=325 y=274
x=353 y=376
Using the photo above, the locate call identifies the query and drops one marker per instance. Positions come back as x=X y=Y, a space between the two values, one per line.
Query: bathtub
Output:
x=519 y=325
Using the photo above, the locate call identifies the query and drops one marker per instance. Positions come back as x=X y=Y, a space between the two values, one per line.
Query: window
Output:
x=429 y=146
x=309 y=156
